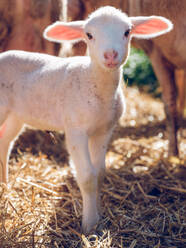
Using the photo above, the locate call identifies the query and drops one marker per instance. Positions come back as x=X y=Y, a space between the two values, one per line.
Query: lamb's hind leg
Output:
x=9 y=130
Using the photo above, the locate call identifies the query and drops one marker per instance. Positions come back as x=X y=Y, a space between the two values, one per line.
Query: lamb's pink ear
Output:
x=149 y=27
x=62 y=31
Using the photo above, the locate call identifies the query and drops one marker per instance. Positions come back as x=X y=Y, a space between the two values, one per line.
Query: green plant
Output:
x=138 y=71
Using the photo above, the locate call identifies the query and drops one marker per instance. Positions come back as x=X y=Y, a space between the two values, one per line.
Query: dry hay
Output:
x=143 y=194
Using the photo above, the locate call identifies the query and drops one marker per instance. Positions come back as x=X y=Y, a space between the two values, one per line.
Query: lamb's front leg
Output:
x=98 y=144
x=77 y=143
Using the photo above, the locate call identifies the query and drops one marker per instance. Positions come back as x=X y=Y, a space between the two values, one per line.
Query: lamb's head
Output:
x=108 y=32
x=107 y=35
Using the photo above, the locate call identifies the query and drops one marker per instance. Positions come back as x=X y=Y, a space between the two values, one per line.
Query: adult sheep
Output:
x=22 y=23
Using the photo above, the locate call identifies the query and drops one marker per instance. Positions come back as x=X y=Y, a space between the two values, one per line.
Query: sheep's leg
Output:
x=98 y=148
x=77 y=143
x=11 y=127
x=181 y=88
x=165 y=76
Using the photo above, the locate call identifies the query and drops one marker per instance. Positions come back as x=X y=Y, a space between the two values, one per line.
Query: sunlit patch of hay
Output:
x=143 y=194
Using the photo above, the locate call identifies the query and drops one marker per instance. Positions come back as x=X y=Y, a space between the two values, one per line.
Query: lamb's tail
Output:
x=2 y=130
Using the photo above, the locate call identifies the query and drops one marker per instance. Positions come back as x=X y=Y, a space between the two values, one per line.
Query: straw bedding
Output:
x=143 y=194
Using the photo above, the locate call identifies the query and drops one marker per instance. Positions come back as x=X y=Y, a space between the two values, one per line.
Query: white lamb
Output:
x=80 y=95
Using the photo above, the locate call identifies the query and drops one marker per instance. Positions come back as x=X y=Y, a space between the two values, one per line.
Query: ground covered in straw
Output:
x=143 y=194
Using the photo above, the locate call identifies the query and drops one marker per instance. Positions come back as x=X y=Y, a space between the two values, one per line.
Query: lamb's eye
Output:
x=126 y=34
x=90 y=37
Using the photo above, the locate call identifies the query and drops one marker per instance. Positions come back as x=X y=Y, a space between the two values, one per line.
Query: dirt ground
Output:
x=143 y=194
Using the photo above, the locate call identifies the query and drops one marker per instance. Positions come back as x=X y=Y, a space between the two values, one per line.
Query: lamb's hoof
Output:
x=88 y=226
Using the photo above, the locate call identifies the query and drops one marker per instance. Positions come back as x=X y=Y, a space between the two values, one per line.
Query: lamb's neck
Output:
x=105 y=81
